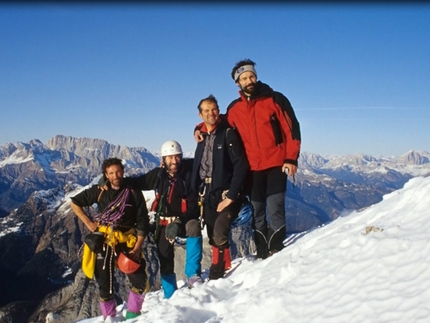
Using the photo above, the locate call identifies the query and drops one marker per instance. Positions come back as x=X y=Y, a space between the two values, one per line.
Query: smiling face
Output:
x=246 y=82
x=172 y=163
x=209 y=113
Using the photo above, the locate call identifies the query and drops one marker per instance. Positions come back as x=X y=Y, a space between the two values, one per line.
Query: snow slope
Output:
x=370 y=266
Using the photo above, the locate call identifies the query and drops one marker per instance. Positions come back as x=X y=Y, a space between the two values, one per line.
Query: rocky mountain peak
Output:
x=415 y=158
x=26 y=167
x=75 y=144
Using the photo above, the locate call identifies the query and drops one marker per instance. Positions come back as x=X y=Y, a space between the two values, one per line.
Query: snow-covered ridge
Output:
x=415 y=163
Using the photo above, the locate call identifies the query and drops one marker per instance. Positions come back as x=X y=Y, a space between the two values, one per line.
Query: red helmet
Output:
x=127 y=265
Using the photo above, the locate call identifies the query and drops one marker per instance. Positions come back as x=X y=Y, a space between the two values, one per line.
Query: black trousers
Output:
x=218 y=224
x=105 y=267
x=166 y=253
x=268 y=195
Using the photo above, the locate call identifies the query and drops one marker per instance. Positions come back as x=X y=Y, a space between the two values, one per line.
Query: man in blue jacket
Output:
x=219 y=171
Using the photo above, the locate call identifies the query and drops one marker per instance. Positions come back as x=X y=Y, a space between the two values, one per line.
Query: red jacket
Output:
x=268 y=127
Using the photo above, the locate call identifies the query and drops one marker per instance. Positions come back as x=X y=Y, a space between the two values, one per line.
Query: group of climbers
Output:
x=124 y=222
x=243 y=154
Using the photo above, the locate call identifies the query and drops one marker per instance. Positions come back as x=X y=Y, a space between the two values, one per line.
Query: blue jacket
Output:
x=230 y=166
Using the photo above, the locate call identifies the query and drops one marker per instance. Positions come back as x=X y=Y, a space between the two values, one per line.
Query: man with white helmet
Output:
x=176 y=214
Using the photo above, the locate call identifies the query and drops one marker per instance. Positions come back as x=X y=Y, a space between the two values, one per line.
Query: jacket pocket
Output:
x=276 y=127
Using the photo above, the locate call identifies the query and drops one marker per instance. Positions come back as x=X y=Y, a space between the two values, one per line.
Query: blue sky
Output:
x=357 y=75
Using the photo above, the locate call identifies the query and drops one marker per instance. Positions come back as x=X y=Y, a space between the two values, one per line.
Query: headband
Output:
x=244 y=68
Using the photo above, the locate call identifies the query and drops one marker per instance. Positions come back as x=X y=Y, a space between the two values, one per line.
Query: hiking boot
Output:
x=261 y=244
x=194 y=281
x=215 y=272
x=276 y=240
x=272 y=252
x=131 y=315
x=217 y=268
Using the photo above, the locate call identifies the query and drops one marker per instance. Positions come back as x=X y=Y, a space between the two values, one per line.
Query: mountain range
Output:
x=40 y=237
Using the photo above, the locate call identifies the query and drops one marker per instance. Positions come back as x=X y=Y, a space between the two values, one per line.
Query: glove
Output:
x=172 y=230
x=152 y=215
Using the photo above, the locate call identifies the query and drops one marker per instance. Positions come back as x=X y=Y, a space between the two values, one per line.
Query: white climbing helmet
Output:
x=171 y=147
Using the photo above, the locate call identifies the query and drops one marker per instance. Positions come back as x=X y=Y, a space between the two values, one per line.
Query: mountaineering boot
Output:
x=169 y=284
x=193 y=257
x=108 y=308
x=276 y=240
x=261 y=244
x=216 y=270
x=134 y=305
x=194 y=281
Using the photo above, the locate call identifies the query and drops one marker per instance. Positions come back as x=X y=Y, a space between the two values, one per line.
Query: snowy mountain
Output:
x=40 y=238
x=28 y=167
x=412 y=163
x=325 y=187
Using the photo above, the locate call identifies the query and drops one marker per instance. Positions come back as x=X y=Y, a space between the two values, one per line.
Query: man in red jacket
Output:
x=268 y=127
